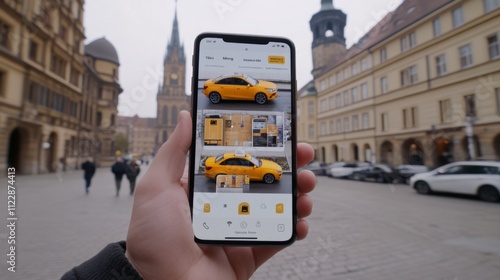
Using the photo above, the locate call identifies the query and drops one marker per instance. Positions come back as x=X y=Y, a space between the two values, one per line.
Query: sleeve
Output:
x=110 y=263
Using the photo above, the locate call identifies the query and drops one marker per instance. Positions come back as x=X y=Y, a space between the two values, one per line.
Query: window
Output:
x=331 y=80
x=346 y=98
x=354 y=95
x=384 y=86
x=409 y=76
x=493 y=47
x=436 y=27
x=497 y=92
x=441 y=65
x=310 y=108
x=332 y=127
x=33 y=51
x=4 y=34
x=62 y=32
x=384 y=117
x=346 y=73
x=364 y=91
x=99 y=119
x=2 y=83
x=465 y=56
x=383 y=55
x=74 y=77
x=413 y=39
x=331 y=102
x=311 y=131
x=365 y=121
x=338 y=125
x=322 y=85
x=355 y=122
x=338 y=100
x=458 y=17
x=404 y=44
x=58 y=66
x=490 y=5
x=410 y=117
x=445 y=110
x=322 y=128
x=355 y=69
x=470 y=105
x=323 y=106
x=365 y=64
x=346 y=124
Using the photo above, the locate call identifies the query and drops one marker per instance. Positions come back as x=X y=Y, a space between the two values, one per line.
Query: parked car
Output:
x=318 y=168
x=239 y=87
x=405 y=171
x=481 y=178
x=345 y=170
x=241 y=163
x=379 y=172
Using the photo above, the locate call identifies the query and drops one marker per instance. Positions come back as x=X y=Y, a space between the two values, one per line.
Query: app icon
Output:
x=243 y=225
x=229 y=223
x=244 y=208
x=280 y=208
x=206 y=226
x=206 y=208
x=281 y=227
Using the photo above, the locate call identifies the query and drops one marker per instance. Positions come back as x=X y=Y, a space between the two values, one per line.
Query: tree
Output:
x=121 y=143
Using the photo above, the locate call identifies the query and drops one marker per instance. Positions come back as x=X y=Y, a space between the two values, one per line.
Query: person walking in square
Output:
x=119 y=168
x=133 y=170
x=88 y=172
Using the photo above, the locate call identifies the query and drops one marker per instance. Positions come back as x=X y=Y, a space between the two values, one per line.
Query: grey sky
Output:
x=140 y=30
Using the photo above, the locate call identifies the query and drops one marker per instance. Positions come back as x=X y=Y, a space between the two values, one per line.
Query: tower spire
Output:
x=174 y=45
x=326 y=5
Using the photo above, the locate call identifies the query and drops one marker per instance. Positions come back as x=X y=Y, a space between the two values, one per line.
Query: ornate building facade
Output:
x=423 y=85
x=171 y=99
x=42 y=89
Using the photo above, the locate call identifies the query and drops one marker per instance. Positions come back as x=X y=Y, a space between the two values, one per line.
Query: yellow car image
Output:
x=243 y=164
x=239 y=87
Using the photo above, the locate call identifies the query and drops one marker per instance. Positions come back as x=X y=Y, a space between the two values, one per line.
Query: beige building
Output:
x=140 y=134
x=42 y=92
x=411 y=88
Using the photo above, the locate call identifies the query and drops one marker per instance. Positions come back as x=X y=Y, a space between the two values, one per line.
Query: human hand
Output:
x=160 y=240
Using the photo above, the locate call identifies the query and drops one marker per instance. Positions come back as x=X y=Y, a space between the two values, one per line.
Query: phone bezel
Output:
x=248 y=39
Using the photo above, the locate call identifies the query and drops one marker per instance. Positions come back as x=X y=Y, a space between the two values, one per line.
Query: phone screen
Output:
x=242 y=159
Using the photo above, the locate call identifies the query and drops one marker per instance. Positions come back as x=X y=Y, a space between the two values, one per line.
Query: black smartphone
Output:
x=243 y=184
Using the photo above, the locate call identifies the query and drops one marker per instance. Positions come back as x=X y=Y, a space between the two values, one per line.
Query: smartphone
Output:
x=243 y=184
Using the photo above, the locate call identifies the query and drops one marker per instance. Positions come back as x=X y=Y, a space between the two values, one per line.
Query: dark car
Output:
x=405 y=171
x=380 y=173
x=318 y=168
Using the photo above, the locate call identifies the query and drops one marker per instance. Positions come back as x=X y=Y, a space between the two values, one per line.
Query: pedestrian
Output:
x=133 y=170
x=119 y=168
x=88 y=172
x=160 y=242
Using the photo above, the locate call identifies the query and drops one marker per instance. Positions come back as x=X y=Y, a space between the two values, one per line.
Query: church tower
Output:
x=171 y=97
x=327 y=27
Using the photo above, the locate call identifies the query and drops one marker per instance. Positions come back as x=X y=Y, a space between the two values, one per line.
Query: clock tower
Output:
x=171 y=97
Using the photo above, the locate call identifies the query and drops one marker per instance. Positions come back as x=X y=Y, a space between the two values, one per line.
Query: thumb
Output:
x=168 y=165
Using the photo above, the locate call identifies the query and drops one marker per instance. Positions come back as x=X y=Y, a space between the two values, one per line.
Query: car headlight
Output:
x=271 y=90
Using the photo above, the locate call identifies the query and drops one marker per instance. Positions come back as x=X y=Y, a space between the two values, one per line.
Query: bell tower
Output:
x=327 y=27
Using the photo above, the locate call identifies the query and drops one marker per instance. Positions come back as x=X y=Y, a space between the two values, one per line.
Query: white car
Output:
x=345 y=170
x=481 y=178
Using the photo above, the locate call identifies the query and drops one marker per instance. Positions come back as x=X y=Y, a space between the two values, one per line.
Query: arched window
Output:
x=165 y=115
x=174 y=115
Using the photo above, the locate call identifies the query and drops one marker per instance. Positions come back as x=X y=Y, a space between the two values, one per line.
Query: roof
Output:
x=409 y=12
x=136 y=121
x=102 y=49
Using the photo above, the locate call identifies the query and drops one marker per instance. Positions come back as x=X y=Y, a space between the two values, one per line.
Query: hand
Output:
x=160 y=241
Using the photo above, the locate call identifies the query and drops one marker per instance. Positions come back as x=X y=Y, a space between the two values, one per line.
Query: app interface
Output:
x=243 y=153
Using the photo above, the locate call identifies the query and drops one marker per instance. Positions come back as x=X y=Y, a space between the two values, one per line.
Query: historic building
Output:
x=46 y=107
x=422 y=86
x=171 y=99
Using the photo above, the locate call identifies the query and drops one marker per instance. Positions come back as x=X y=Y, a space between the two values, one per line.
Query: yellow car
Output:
x=243 y=164
x=239 y=87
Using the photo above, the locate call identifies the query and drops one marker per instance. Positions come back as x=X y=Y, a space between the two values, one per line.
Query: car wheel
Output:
x=214 y=97
x=268 y=178
x=422 y=187
x=260 y=98
x=488 y=193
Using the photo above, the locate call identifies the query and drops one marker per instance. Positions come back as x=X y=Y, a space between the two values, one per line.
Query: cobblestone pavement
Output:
x=358 y=231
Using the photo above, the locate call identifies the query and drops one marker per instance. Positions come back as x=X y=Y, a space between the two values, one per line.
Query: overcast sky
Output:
x=140 y=30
